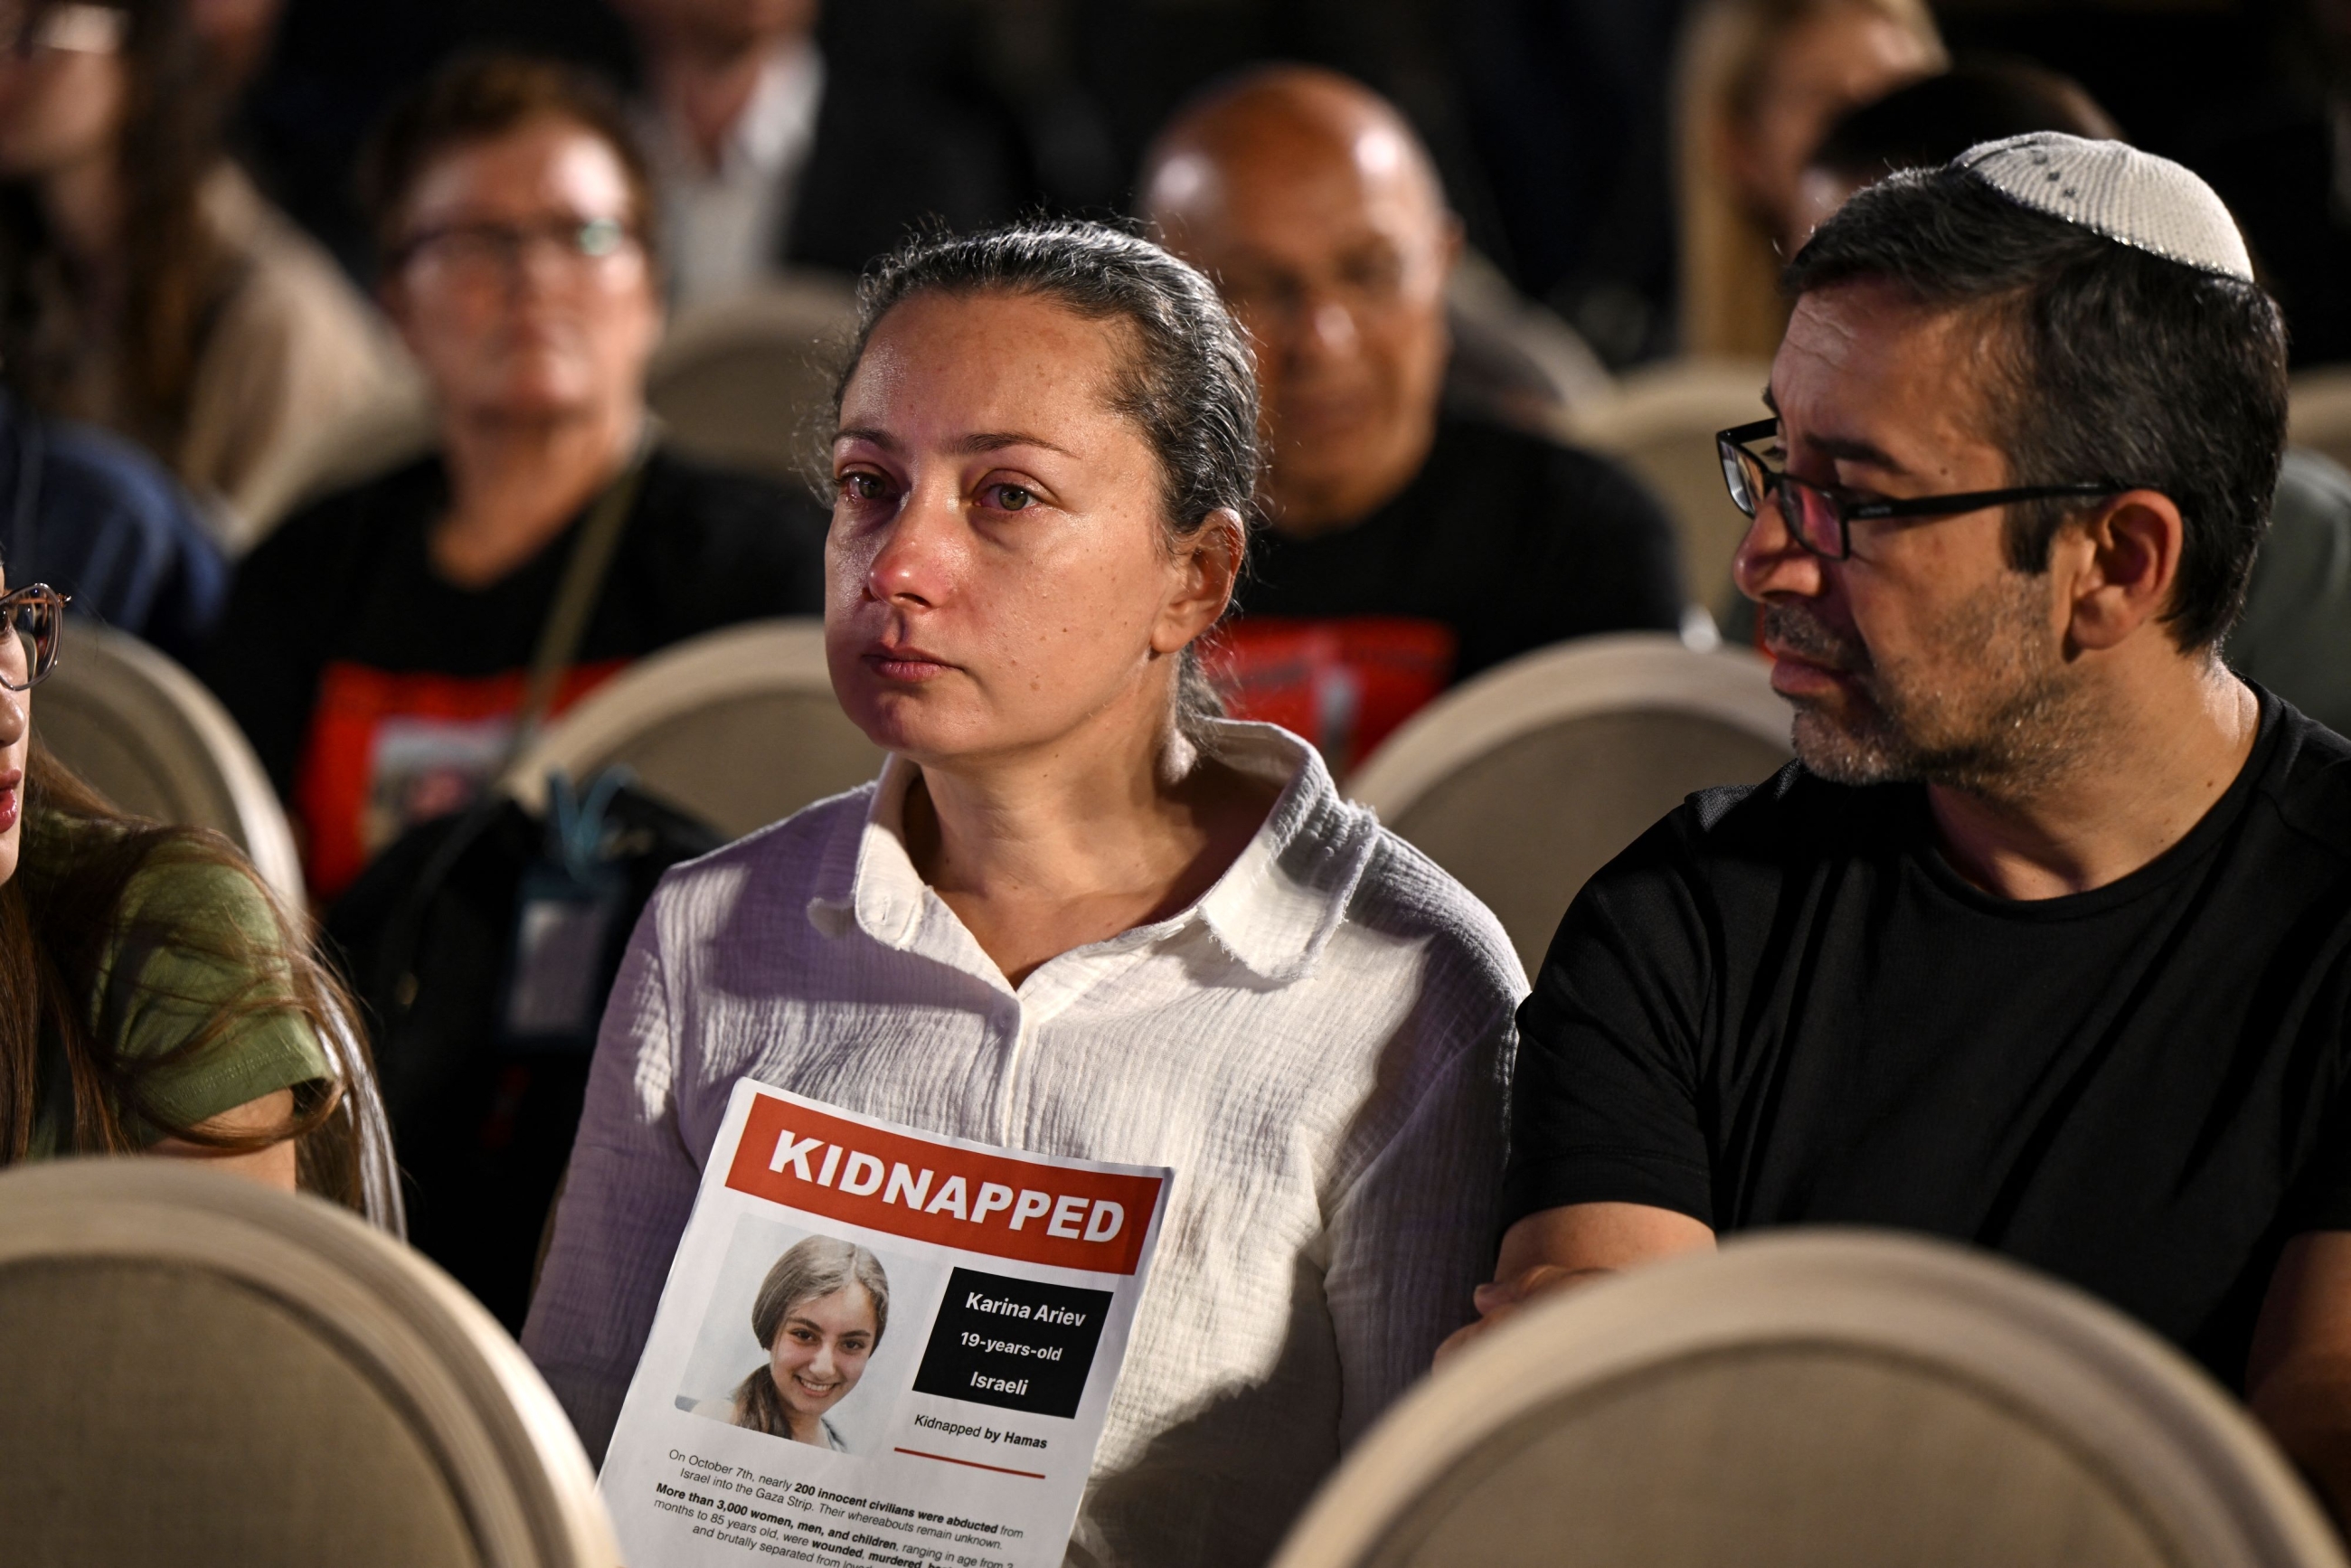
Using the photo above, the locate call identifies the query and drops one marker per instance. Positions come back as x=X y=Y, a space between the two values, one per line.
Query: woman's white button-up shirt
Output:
x=1319 y=1047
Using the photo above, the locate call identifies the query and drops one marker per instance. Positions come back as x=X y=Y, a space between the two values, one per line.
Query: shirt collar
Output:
x=772 y=134
x=1272 y=912
x=780 y=118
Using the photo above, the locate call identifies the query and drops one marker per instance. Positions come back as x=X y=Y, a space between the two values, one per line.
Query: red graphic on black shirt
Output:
x=1344 y=683
x=391 y=748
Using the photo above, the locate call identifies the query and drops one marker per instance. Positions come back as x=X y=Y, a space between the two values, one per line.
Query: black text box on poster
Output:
x=1014 y=1343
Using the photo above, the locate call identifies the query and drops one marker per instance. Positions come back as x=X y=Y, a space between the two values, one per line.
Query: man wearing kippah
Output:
x=2044 y=943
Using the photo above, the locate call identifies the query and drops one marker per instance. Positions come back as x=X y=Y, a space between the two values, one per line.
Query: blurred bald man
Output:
x=1410 y=546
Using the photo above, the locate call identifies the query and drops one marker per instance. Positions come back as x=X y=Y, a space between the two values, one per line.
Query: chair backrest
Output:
x=2318 y=412
x=1661 y=425
x=737 y=727
x=1528 y=779
x=1816 y=1397
x=745 y=379
x=201 y=1370
x=152 y=739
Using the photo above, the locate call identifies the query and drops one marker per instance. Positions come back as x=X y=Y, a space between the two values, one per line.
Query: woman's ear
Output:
x=1207 y=568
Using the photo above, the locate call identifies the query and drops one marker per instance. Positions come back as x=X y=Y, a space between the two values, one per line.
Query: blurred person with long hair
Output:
x=153 y=995
x=144 y=284
x=1759 y=84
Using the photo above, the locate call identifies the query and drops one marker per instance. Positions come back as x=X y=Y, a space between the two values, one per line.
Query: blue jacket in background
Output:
x=93 y=515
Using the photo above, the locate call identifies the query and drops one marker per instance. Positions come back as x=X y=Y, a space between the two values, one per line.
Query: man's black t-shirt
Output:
x=1782 y=1006
x=1503 y=543
x=378 y=692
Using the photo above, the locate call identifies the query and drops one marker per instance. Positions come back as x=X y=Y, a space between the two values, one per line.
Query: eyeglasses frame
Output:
x=514 y=240
x=1731 y=446
x=34 y=593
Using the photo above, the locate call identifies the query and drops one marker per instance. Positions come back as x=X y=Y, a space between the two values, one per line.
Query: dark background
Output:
x=1550 y=118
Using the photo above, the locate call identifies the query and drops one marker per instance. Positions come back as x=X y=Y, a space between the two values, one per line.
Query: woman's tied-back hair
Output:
x=816 y=1266
x=1188 y=380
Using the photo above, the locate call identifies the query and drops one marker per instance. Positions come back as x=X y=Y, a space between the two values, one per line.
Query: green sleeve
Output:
x=172 y=967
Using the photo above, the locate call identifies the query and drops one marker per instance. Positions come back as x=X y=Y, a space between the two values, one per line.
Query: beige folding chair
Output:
x=2318 y=410
x=738 y=727
x=748 y=379
x=1661 y=424
x=1526 y=780
x=152 y=739
x=200 y=1370
x=1808 y=1398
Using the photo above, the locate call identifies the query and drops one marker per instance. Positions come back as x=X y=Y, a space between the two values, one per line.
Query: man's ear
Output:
x=2125 y=562
x=1209 y=567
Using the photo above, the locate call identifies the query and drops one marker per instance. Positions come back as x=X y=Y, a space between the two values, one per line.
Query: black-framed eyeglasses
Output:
x=486 y=246
x=1820 y=518
x=36 y=619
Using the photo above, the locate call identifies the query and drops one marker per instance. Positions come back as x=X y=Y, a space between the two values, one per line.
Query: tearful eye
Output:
x=861 y=487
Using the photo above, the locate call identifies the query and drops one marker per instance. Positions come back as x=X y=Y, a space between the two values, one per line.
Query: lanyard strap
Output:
x=575 y=598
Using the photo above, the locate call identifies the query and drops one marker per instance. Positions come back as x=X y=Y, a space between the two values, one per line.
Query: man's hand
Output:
x=1559 y=1249
x=1497 y=1301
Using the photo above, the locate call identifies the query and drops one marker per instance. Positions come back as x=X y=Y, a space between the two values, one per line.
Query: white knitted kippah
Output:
x=2114 y=189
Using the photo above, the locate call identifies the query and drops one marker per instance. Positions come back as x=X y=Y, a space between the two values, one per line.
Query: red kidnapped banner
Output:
x=993 y=1203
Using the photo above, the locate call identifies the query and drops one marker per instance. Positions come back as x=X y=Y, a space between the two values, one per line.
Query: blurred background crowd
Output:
x=409 y=370
x=1602 y=157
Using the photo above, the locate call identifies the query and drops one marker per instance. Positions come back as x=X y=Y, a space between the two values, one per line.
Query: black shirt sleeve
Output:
x=1573 y=545
x=1607 y=1103
x=266 y=657
x=2320 y=1195
x=1611 y=565
x=717 y=547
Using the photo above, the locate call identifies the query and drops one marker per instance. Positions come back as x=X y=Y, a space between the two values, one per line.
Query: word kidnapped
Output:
x=1072 y=1217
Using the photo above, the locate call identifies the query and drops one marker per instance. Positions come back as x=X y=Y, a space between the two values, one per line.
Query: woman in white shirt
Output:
x=1079 y=913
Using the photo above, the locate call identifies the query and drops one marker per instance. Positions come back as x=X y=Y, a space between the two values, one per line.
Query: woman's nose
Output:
x=913 y=564
x=15 y=716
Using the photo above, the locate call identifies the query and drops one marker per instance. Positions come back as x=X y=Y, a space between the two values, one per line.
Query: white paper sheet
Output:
x=1007 y=1285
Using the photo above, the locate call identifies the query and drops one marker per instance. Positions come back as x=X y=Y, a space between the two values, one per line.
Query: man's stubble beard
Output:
x=1990 y=707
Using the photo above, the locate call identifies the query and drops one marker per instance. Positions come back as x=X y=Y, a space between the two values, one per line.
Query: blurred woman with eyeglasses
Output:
x=376 y=647
x=153 y=995
x=144 y=284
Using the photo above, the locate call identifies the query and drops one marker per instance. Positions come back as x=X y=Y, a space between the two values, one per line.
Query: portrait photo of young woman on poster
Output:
x=819 y=1315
